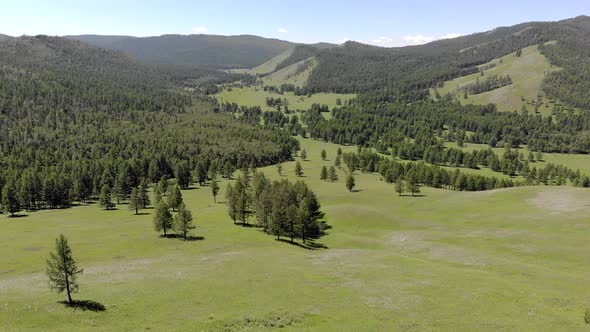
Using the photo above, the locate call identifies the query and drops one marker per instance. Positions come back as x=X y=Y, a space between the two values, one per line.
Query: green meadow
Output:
x=513 y=259
x=256 y=96
x=527 y=73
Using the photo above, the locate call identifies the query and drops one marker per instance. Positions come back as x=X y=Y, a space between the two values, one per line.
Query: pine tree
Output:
x=324 y=155
x=162 y=218
x=324 y=173
x=62 y=269
x=332 y=174
x=118 y=191
x=298 y=169
x=163 y=185
x=104 y=199
x=303 y=154
x=350 y=182
x=399 y=186
x=338 y=161
x=214 y=189
x=175 y=198
x=183 y=222
x=10 y=199
x=135 y=201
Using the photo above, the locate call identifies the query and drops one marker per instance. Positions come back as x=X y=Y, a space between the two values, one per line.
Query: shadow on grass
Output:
x=180 y=237
x=141 y=214
x=17 y=215
x=309 y=245
x=356 y=190
x=413 y=196
x=85 y=305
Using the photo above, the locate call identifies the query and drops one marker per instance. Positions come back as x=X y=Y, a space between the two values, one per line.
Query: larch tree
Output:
x=324 y=154
x=62 y=269
x=298 y=169
x=280 y=169
x=143 y=194
x=104 y=199
x=350 y=182
x=303 y=154
x=135 y=201
x=232 y=202
x=332 y=174
x=183 y=222
x=324 y=173
x=175 y=198
x=399 y=185
x=10 y=200
x=162 y=218
x=214 y=189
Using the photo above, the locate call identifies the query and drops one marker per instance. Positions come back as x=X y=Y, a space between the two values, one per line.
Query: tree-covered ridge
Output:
x=406 y=73
x=243 y=51
x=300 y=53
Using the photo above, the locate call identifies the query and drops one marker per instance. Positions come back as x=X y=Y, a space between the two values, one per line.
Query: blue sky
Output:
x=385 y=23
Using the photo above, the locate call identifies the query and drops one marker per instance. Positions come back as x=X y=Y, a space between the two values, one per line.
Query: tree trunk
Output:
x=164 y=231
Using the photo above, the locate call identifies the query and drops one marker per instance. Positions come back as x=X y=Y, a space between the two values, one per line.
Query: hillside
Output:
x=4 y=38
x=527 y=73
x=195 y=50
x=408 y=72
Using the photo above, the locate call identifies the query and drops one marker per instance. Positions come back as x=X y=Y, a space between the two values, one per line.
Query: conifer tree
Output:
x=298 y=169
x=104 y=198
x=214 y=189
x=135 y=201
x=183 y=221
x=332 y=174
x=324 y=173
x=324 y=155
x=62 y=269
x=162 y=218
x=10 y=201
x=350 y=182
x=175 y=198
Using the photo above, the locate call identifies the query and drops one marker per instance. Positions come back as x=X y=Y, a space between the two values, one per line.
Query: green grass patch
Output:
x=512 y=259
x=256 y=96
x=527 y=73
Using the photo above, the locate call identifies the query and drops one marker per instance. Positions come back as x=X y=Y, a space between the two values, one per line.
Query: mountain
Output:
x=242 y=51
x=408 y=72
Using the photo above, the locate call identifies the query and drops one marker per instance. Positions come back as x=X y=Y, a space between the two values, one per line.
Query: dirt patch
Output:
x=562 y=200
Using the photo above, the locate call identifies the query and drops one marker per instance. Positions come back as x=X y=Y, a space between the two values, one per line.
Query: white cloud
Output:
x=282 y=30
x=200 y=30
x=408 y=40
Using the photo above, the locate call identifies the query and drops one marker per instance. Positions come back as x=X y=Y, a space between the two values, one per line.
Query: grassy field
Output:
x=514 y=259
x=267 y=67
x=527 y=73
x=256 y=96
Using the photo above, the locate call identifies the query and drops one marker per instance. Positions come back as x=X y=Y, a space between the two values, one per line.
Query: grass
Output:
x=514 y=259
x=256 y=96
x=267 y=67
x=527 y=73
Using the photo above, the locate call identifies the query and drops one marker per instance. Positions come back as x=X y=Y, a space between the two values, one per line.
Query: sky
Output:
x=378 y=22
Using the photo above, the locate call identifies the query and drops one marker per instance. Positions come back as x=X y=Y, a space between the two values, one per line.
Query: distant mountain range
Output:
x=242 y=51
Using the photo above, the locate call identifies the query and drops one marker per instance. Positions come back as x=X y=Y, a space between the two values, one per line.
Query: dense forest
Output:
x=75 y=118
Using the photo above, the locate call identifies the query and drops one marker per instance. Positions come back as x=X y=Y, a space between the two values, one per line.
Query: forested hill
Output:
x=243 y=51
x=408 y=72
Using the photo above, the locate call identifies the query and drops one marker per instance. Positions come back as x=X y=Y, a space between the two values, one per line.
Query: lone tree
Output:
x=61 y=268
x=324 y=155
x=162 y=218
x=324 y=173
x=183 y=222
x=303 y=154
x=214 y=189
x=104 y=199
x=135 y=201
x=350 y=182
x=298 y=169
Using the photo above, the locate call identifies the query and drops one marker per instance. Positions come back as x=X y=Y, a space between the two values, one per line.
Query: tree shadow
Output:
x=413 y=196
x=309 y=245
x=141 y=214
x=180 y=237
x=17 y=215
x=356 y=190
x=85 y=305
x=247 y=225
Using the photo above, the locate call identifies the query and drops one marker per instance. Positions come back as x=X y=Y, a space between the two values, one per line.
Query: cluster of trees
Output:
x=276 y=102
x=490 y=83
x=181 y=223
x=385 y=125
x=281 y=208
